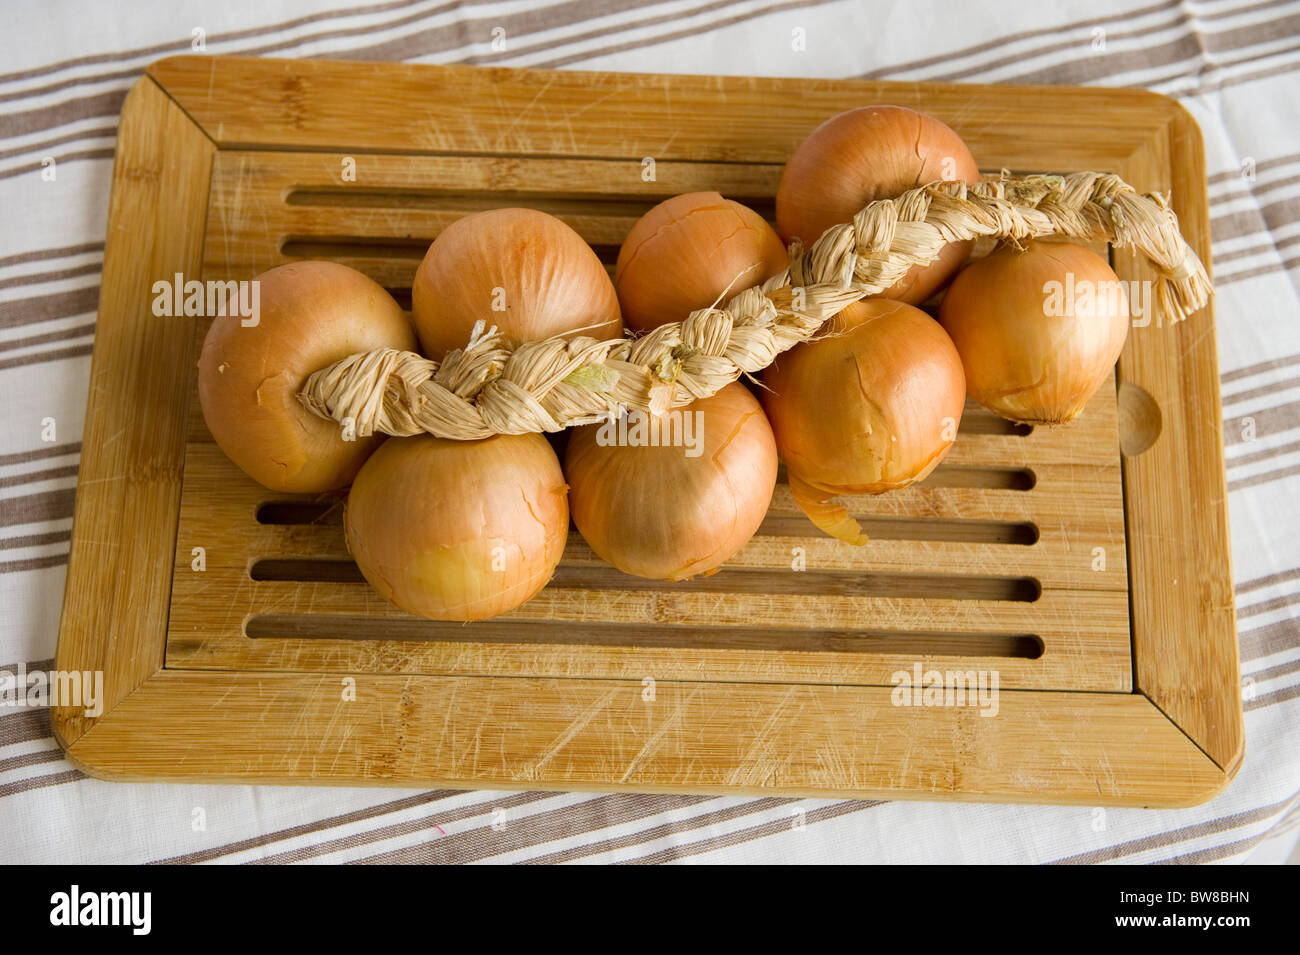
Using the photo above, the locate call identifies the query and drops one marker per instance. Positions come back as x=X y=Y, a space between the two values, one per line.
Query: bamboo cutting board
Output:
x=1086 y=566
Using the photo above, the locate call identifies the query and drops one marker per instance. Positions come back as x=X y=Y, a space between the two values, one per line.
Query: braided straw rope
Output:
x=493 y=386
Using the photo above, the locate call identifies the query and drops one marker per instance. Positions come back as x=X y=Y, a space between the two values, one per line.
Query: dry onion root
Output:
x=311 y=314
x=675 y=510
x=872 y=406
x=458 y=530
x=1039 y=329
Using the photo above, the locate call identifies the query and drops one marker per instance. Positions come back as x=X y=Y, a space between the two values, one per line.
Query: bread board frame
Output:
x=1175 y=740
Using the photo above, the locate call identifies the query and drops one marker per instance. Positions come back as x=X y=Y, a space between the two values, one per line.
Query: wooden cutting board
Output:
x=239 y=642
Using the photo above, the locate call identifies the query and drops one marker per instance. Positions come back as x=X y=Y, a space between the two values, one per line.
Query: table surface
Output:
x=1231 y=66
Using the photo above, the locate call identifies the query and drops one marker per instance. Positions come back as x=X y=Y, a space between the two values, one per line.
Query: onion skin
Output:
x=1020 y=361
x=655 y=512
x=871 y=407
x=426 y=516
x=873 y=152
x=687 y=252
x=311 y=315
x=551 y=282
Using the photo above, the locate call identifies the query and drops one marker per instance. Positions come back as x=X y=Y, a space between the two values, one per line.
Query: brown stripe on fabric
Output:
x=35 y=540
x=109 y=103
x=1213 y=77
x=1215 y=853
x=1091 y=69
x=36 y=358
x=1242 y=460
x=60 y=159
x=60 y=114
x=676 y=34
x=46 y=308
x=1250 y=371
x=1265 y=606
x=36 y=278
x=1269 y=639
x=1262 y=165
x=1221 y=281
x=517 y=26
x=1253 y=189
x=41 y=782
x=1174 y=836
x=642 y=836
x=1265 y=477
x=30 y=759
x=31 y=508
x=1271 y=246
x=1049 y=31
x=1273 y=420
x=51 y=474
x=598 y=812
x=31 y=665
x=79 y=331
x=1259 y=583
x=1271 y=699
x=1273 y=215
x=99 y=132
x=183 y=45
x=673 y=17
x=407 y=827
x=1268 y=388
x=42 y=255
x=32 y=563
x=307 y=828
x=37 y=454
x=1275 y=671
x=1224 y=82
x=820 y=814
x=24 y=726
x=1079 y=41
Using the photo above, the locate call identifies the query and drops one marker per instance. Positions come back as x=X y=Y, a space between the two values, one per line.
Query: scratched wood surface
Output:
x=1018 y=555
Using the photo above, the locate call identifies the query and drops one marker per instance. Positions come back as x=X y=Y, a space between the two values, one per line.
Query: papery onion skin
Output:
x=312 y=314
x=872 y=406
x=655 y=512
x=688 y=251
x=521 y=270
x=458 y=530
x=1020 y=361
x=868 y=153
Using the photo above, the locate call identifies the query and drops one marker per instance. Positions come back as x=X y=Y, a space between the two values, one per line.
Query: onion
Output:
x=311 y=314
x=686 y=252
x=873 y=152
x=874 y=405
x=673 y=511
x=458 y=530
x=521 y=270
x=1038 y=329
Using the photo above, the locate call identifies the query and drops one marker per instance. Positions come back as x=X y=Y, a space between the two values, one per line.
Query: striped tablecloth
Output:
x=65 y=69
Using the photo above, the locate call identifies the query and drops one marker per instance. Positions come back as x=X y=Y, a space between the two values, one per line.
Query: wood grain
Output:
x=115 y=603
x=726 y=738
x=1184 y=627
